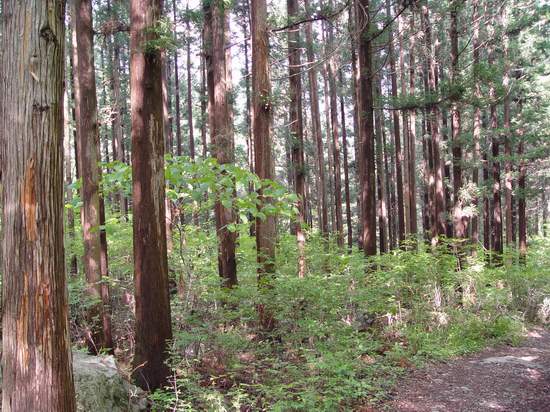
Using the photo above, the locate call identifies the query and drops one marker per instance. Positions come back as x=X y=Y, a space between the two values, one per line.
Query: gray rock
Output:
x=100 y=388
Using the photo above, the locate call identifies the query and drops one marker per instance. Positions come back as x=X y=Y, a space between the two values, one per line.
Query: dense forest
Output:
x=266 y=205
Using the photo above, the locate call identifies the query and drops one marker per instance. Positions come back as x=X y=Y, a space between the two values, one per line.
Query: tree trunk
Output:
x=438 y=220
x=190 y=95
x=522 y=218
x=397 y=135
x=68 y=181
x=508 y=180
x=380 y=177
x=476 y=122
x=153 y=325
x=316 y=130
x=366 y=123
x=333 y=103
x=346 y=163
x=296 y=130
x=263 y=160
x=411 y=163
x=36 y=358
x=460 y=220
x=89 y=156
x=330 y=183
x=177 y=87
x=221 y=131
x=496 y=243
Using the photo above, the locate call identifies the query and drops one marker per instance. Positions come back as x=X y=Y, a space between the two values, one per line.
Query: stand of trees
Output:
x=434 y=131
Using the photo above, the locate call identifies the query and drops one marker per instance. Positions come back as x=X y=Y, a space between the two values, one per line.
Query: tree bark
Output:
x=522 y=217
x=380 y=178
x=396 y=134
x=36 y=358
x=476 y=121
x=190 y=94
x=296 y=130
x=411 y=164
x=263 y=160
x=346 y=164
x=153 y=325
x=177 y=87
x=460 y=220
x=438 y=219
x=333 y=103
x=221 y=131
x=316 y=129
x=99 y=336
x=366 y=129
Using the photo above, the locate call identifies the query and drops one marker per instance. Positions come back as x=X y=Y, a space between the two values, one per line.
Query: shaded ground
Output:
x=498 y=379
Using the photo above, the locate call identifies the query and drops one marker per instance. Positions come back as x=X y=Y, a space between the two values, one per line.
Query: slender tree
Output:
x=296 y=130
x=263 y=159
x=153 y=326
x=221 y=130
x=366 y=128
x=36 y=359
x=99 y=336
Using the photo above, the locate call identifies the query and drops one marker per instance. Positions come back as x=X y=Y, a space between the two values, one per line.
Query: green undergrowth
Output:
x=343 y=335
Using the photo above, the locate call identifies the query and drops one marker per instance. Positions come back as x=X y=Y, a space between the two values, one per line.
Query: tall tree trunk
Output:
x=411 y=164
x=438 y=220
x=346 y=163
x=221 y=131
x=177 y=86
x=69 y=180
x=189 y=93
x=263 y=160
x=116 y=119
x=166 y=132
x=496 y=243
x=153 y=325
x=204 y=98
x=508 y=179
x=352 y=21
x=476 y=120
x=89 y=156
x=380 y=177
x=333 y=102
x=522 y=218
x=330 y=183
x=316 y=129
x=396 y=134
x=36 y=358
x=366 y=123
x=296 y=130
x=460 y=219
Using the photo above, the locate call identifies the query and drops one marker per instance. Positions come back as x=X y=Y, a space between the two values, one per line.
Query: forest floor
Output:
x=503 y=378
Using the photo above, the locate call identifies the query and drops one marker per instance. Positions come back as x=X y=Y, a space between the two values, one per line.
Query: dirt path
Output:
x=498 y=379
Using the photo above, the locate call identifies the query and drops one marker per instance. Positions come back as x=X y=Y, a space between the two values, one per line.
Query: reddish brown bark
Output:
x=153 y=326
x=263 y=160
x=36 y=359
x=522 y=218
x=476 y=120
x=177 y=89
x=380 y=178
x=316 y=130
x=460 y=220
x=346 y=164
x=221 y=131
x=411 y=164
x=189 y=94
x=99 y=336
x=437 y=209
x=296 y=130
x=396 y=135
x=366 y=129
x=333 y=103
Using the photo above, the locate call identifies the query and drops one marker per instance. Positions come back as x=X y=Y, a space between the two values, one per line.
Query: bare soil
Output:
x=498 y=379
